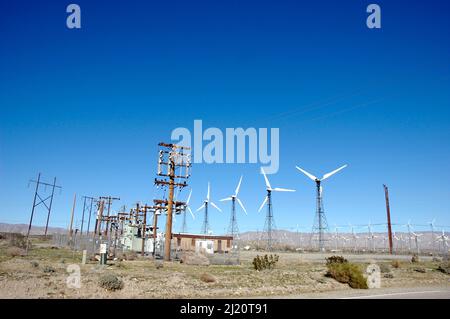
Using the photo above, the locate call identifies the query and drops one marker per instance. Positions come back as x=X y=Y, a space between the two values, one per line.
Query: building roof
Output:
x=202 y=236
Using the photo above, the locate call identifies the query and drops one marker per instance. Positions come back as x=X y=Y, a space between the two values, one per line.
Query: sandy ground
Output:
x=297 y=275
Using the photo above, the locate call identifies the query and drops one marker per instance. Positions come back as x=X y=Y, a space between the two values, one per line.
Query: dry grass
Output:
x=293 y=275
x=15 y=252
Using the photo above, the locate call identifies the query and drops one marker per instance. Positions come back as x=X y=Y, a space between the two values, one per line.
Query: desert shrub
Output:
x=385 y=268
x=205 y=277
x=48 y=269
x=347 y=273
x=336 y=260
x=420 y=269
x=18 y=240
x=34 y=264
x=120 y=265
x=444 y=267
x=266 y=262
x=15 y=251
x=130 y=255
x=110 y=282
x=395 y=264
x=415 y=259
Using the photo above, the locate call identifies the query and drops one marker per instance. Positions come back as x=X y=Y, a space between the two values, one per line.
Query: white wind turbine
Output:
x=371 y=237
x=399 y=239
x=344 y=240
x=416 y=240
x=269 y=224
x=354 y=236
x=188 y=208
x=408 y=226
x=433 y=239
x=443 y=239
x=206 y=202
x=321 y=221
x=233 y=229
x=336 y=236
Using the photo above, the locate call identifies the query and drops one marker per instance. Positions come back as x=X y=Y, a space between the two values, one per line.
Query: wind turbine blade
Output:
x=190 y=211
x=200 y=207
x=263 y=203
x=333 y=172
x=311 y=176
x=277 y=189
x=242 y=205
x=215 y=206
x=265 y=178
x=189 y=197
x=238 y=187
x=224 y=199
x=207 y=196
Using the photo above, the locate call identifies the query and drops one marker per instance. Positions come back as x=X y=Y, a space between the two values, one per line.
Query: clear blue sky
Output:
x=89 y=106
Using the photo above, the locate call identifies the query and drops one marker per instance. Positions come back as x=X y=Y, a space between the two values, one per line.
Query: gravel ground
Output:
x=296 y=275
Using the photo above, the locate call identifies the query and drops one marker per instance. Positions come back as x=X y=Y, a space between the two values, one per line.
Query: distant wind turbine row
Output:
x=320 y=224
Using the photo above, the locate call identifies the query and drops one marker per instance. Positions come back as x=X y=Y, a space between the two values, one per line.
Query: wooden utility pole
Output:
x=98 y=221
x=388 y=211
x=144 y=226
x=168 y=234
x=71 y=216
x=173 y=158
x=155 y=224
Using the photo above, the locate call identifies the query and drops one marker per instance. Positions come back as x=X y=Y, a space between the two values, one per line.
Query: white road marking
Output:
x=396 y=294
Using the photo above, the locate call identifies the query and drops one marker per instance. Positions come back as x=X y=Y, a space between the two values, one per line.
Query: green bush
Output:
x=344 y=272
x=110 y=282
x=336 y=260
x=266 y=262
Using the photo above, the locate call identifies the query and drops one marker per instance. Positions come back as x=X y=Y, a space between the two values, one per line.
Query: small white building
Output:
x=132 y=239
x=204 y=246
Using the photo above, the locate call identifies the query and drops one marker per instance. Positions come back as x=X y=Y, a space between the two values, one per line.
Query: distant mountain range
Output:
x=35 y=230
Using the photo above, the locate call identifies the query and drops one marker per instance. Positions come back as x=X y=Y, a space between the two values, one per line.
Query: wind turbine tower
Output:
x=205 y=226
x=233 y=228
x=320 y=221
x=186 y=207
x=269 y=224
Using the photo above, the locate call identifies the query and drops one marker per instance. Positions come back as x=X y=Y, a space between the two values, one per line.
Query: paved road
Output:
x=439 y=292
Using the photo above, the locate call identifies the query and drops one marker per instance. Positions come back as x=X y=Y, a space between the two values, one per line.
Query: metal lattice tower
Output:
x=233 y=228
x=42 y=201
x=269 y=224
x=205 y=226
x=184 y=225
x=320 y=226
x=87 y=208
